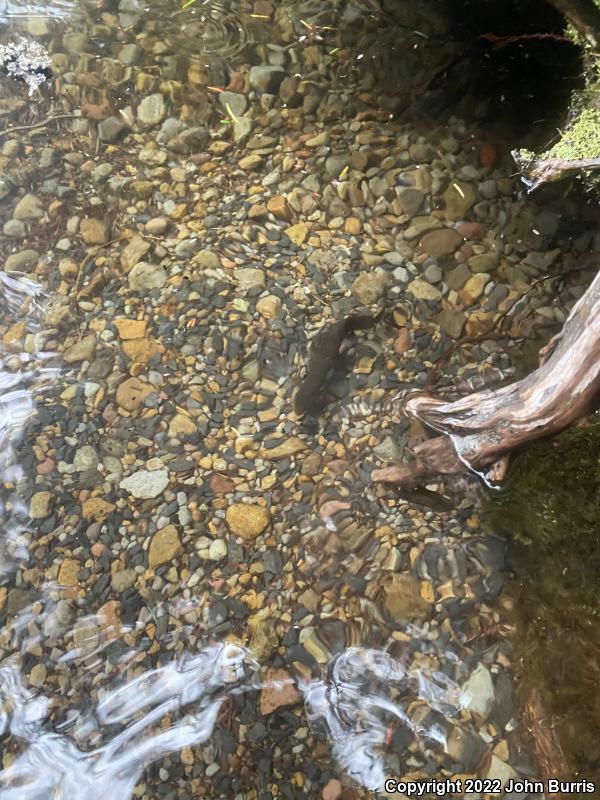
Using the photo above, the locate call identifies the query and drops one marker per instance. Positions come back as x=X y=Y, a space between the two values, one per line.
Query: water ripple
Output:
x=24 y=9
x=22 y=375
x=365 y=694
x=205 y=28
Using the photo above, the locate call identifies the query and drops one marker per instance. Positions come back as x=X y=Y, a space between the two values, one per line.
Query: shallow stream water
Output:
x=204 y=594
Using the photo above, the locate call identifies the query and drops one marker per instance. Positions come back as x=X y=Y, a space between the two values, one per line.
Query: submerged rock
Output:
x=145 y=484
x=152 y=109
x=247 y=520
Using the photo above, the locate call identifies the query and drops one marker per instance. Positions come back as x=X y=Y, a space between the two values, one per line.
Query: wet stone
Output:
x=247 y=520
x=14 y=228
x=479 y=691
x=164 y=546
x=29 y=209
x=22 y=261
x=402 y=598
x=157 y=226
x=459 y=198
x=456 y=278
x=37 y=676
x=96 y=508
x=485 y=262
x=123 y=580
x=423 y=290
x=233 y=103
x=93 y=231
x=81 y=351
x=145 y=276
x=40 y=505
x=145 y=484
x=134 y=252
x=132 y=393
x=441 y=242
x=152 y=110
x=473 y=288
x=85 y=458
x=249 y=278
x=410 y=201
x=279 y=691
x=369 y=287
x=452 y=322
x=465 y=748
x=266 y=79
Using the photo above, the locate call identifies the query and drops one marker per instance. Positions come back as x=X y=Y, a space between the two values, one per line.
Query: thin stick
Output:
x=40 y=124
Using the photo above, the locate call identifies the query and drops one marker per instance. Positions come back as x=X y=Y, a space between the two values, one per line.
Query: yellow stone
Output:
x=142 y=350
x=131 y=328
x=353 y=226
x=479 y=322
x=165 y=546
x=247 y=521
x=70 y=392
x=109 y=618
x=187 y=756
x=289 y=447
x=473 y=288
x=297 y=233
x=277 y=205
x=269 y=306
x=96 y=508
x=67 y=574
x=15 y=333
x=182 y=425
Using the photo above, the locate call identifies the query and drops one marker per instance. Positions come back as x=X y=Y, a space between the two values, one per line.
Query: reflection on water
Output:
x=22 y=375
x=19 y=9
x=54 y=766
x=366 y=698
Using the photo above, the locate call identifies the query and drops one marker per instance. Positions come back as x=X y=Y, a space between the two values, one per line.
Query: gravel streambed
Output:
x=189 y=240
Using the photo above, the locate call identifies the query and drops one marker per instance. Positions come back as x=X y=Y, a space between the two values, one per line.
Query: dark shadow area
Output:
x=522 y=69
x=506 y=65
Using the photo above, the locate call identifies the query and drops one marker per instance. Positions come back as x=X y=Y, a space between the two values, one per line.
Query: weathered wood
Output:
x=479 y=430
x=584 y=15
x=539 y=170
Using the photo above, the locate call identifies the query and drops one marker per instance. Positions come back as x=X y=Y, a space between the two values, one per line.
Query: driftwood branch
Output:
x=480 y=430
x=539 y=170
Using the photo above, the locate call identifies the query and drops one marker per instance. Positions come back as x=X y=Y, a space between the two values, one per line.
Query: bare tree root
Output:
x=480 y=430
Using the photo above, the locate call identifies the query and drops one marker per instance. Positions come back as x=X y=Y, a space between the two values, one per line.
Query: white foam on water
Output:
x=355 y=705
x=357 y=701
x=22 y=9
x=22 y=375
x=52 y=766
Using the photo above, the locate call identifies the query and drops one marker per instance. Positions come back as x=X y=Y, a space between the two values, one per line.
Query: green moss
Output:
x=554 y=488
x=581 y=139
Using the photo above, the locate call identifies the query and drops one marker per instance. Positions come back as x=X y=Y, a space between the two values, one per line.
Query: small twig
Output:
x=39 y=124
x=503 y=41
